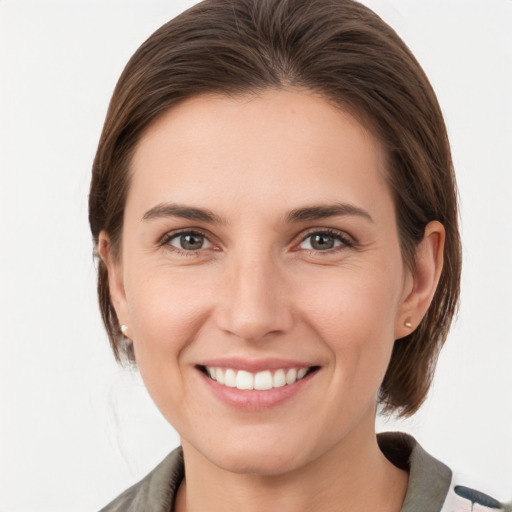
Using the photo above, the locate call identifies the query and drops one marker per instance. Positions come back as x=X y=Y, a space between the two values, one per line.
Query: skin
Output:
x=259 y=288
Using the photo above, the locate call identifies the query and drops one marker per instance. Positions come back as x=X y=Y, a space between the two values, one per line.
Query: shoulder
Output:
x=156 y=491
x=432 y=485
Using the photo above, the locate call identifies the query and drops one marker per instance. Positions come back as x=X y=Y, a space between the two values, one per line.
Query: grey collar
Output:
x=429 y=479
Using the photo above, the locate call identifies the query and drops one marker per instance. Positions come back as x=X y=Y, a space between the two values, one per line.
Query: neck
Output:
x=354 y=475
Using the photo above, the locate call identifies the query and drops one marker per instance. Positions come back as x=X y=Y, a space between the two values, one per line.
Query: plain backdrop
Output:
x=75 y=429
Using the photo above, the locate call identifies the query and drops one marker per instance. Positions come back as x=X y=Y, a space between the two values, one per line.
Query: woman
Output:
x=274 y=207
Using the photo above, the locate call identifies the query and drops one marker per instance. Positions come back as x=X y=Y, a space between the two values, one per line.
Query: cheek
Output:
x=350 y=306
x=355 y=317
x=166 y=310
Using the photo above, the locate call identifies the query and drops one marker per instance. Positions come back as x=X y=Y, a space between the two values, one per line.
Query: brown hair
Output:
x=339 y=49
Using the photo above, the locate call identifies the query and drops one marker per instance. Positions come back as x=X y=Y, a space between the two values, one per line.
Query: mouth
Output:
x=258 y=381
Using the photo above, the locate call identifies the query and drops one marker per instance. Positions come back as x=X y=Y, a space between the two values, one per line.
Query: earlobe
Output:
x=115 y=277
x=425 y=278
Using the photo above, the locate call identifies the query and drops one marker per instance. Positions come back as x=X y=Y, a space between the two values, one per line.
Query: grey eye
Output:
x=189 y=241
x=320 y=242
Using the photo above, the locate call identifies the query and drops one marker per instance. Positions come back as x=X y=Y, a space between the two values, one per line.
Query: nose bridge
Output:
x=255 y=303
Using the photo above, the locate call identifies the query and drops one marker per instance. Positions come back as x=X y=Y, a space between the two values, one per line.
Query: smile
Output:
x=260 y=381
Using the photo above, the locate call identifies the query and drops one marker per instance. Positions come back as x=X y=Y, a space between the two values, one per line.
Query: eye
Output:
x=324 y=241
x=188 y=241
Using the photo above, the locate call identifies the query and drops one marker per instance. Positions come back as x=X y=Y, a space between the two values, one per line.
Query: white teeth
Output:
x=291 y=376
x=230 y=378
x=260 y=381
x=301 y=373
x=244 y=380
x=263 y=380
x=219 y=375
x=279 y=379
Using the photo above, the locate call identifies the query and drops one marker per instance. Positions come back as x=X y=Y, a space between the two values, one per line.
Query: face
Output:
x=260 y=250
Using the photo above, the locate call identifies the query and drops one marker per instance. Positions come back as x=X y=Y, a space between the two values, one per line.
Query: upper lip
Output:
x=255 y=365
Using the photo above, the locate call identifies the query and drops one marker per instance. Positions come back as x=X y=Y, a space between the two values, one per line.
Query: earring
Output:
x=408 y=324
x=124 y=329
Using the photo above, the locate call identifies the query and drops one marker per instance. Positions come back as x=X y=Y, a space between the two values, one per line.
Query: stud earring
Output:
x=408 y=324
x=124 y=329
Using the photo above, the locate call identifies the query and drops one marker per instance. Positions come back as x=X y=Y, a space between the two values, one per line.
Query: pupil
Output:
x=191 y=242
x=322 y=242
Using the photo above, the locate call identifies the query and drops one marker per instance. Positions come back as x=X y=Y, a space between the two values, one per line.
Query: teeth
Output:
x=244 y=380
x=291 y=376
x=279 y=379
x=263 y=380
x=230 y=378
x=219 y=375
x=301 y=373
x=260 y=381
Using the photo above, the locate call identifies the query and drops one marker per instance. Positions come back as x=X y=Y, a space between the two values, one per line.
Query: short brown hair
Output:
x=339 y=49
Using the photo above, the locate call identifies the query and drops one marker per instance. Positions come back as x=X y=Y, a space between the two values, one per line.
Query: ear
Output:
x=115 y=278
x=421 y=282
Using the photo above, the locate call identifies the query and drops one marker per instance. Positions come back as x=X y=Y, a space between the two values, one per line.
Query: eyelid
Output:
x=345 y=239
x=170 y=235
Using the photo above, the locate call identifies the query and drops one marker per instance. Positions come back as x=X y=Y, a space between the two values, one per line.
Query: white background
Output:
x=75 y=430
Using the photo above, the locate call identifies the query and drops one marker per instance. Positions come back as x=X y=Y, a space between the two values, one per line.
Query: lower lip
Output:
x=255 y=400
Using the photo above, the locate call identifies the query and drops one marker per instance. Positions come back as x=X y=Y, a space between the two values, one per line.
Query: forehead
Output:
x=282 y=145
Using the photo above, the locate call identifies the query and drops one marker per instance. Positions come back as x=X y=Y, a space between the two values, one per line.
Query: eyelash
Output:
x=168 y=237
x=346 y=241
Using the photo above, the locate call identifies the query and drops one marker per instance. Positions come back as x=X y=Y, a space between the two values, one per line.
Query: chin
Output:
x=258 y=463
x=265 y=457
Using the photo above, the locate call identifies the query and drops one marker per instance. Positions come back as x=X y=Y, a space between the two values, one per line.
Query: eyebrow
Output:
x=184 y=212
x=324 y=211
x=309 y=213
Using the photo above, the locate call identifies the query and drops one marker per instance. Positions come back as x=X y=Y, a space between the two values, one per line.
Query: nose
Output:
x=255 y=302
